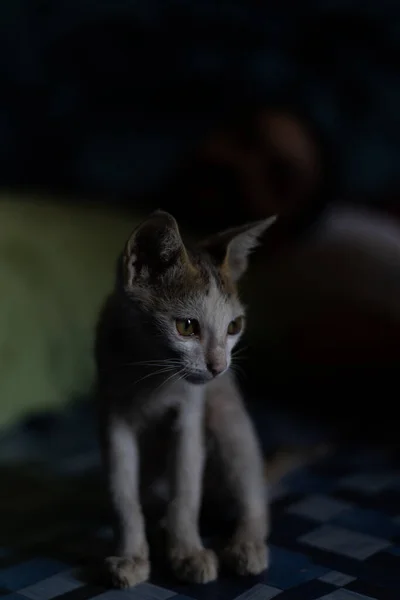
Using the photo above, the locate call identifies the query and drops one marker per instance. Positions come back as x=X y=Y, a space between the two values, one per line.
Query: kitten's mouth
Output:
x=199 y=377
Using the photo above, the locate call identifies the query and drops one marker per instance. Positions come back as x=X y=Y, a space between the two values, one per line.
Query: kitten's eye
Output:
x=187 y=327
x=235 y=326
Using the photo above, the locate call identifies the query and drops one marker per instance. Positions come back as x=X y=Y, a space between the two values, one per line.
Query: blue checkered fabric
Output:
x=335 y=524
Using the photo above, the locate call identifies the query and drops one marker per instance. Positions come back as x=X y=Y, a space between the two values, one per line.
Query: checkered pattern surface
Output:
x=335 y=533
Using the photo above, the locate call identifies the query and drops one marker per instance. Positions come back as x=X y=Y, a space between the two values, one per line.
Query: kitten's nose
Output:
x=215 y=368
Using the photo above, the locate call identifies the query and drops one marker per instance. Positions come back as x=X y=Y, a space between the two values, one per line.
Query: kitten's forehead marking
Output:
x=209 y=272
x=217 y=302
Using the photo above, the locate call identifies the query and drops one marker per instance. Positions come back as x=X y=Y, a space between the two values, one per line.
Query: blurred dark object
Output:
x=261 y=163
x=103 y=99
x=330 y=302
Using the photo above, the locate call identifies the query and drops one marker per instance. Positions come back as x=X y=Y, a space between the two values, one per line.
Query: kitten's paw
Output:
x=246 y=557
x=200 y=566
x=127 y=572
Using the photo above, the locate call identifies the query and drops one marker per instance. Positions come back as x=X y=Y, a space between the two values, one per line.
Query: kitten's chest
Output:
x=154 y=407
x=167 y=419
x=156 y=443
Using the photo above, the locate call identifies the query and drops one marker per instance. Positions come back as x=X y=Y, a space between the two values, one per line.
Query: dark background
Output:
x=126 y=104
x=105 y=98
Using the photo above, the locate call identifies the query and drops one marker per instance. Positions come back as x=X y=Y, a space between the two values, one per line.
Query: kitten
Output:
x=163 y=352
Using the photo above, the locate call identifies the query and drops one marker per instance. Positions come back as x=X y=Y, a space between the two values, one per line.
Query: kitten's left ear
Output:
x=153 y=247
x=231 y=248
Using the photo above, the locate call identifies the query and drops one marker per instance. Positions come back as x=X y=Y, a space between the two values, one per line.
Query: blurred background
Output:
x=220 y=113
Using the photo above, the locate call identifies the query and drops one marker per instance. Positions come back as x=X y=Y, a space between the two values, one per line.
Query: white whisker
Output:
x=154 y=363
x=239 y=352
x=154 y=373
x=239 y=371
x=178 y=374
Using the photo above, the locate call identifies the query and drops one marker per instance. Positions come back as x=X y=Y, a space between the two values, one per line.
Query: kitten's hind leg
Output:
x=238 y=449
x=190 y=561
x=131 y=564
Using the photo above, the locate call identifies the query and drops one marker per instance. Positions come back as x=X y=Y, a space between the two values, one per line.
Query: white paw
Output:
x=199 y=566
x=246 y=557
x=127 y=572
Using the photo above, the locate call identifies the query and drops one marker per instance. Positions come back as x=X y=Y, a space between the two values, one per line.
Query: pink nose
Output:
x=216 y=368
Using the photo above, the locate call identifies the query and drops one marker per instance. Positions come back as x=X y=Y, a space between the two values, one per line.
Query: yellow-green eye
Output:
x=235 y=326
x=187 y=327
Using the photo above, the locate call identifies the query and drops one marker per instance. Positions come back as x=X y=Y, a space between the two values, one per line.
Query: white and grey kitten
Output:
x=166 y=395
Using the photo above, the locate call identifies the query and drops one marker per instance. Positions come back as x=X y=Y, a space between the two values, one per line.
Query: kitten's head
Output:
x=189 y=295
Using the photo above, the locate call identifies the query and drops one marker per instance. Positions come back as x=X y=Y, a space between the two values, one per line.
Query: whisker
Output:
x=178 y=374
x=237 y=370
x=239 y=351
x=153 y=363
x=154 y=373
x=160 y=361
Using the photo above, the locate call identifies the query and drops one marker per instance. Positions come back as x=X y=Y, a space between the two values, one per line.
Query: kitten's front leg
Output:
x=246 y=552
x=190 y=561
x=131 y=564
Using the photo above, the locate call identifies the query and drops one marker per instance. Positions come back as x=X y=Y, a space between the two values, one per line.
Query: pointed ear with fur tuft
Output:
x=231 y=248
x=153 y=247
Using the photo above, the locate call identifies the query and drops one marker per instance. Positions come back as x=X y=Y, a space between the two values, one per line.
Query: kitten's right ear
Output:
x=153 y=247
x=231 y=248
